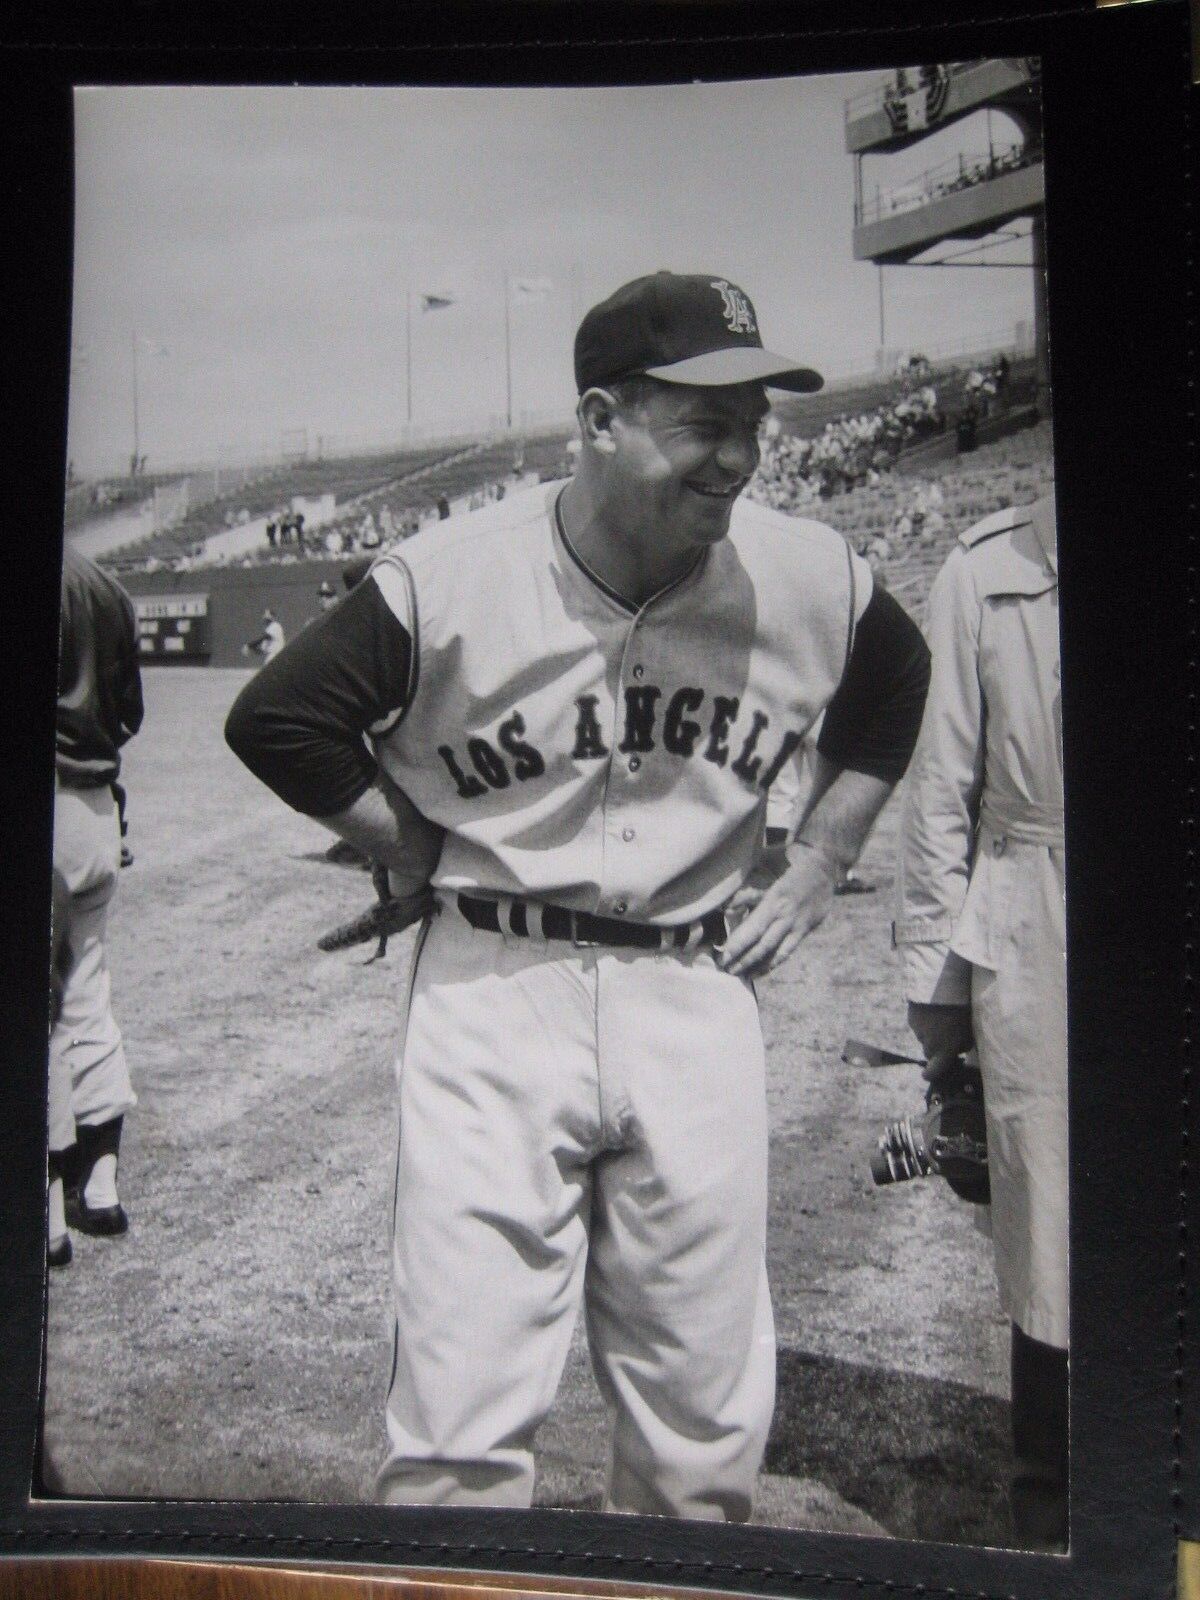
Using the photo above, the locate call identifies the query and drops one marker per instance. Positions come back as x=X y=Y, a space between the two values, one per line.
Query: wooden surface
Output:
x=105 y=1579
x=119 y=1579
x=1189 y=1570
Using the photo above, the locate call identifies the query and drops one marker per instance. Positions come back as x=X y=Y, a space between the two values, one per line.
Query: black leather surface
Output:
x=1116 y=108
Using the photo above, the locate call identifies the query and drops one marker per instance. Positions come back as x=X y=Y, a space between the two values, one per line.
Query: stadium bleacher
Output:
x=349 y=480
x=815 y=451
x=807 y=417
x=906 y=551
x=95 y=501
x=409 y=484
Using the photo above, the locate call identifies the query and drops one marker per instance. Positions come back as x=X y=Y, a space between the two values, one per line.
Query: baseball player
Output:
x=58 y=1240
x=99 y=709
x=267 y=644
x=981 y=926
x=565 y=713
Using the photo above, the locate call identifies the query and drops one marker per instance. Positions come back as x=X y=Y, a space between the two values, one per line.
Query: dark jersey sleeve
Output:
x=872 y=722
x=99 y=677
x=131 y=707
x=299 y=724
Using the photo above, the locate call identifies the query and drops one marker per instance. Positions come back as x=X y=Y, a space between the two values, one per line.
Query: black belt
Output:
x=532 y=919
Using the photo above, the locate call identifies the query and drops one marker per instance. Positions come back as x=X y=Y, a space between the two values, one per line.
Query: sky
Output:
x=261 y=246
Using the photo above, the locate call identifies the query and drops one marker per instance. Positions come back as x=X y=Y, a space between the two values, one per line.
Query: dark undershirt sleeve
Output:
x=132 y=708
x=872 y=722
x=299 y=723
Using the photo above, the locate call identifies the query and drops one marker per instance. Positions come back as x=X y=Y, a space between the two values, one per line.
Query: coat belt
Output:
x=1028 y=823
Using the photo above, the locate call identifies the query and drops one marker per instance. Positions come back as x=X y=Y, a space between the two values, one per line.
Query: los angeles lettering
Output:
x=712 y=739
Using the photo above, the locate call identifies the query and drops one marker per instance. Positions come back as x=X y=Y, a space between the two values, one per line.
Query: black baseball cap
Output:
x=682 y=328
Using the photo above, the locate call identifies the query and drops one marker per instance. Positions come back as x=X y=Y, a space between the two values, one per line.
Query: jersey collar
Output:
x=606 y=589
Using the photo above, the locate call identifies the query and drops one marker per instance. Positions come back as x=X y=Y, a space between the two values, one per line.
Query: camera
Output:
x=949 y=1141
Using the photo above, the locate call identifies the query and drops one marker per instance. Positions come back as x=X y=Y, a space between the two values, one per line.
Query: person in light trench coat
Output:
x=982 y=932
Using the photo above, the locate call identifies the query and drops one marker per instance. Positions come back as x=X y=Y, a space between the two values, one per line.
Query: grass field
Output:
x=235 y=1343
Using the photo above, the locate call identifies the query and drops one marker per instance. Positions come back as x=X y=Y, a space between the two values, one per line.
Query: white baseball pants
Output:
x=579 y=1124
x=89 y=1078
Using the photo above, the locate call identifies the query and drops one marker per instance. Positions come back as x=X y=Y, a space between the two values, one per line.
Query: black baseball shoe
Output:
x=100 y=1221
x=58 y=1251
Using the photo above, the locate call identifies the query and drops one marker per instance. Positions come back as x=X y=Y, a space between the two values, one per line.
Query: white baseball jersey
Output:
x=593 y=754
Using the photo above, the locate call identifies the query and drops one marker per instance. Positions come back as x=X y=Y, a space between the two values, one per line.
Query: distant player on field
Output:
x=267 y=644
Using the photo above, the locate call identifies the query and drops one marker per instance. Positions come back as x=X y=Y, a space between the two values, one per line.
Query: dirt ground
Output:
x=235 y=1343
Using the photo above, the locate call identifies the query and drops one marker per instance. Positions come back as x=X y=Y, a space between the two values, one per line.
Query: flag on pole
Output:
x=436 y=302
x=531 y=288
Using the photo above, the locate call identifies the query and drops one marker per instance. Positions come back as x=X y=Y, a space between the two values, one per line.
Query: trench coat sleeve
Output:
x=940 y=807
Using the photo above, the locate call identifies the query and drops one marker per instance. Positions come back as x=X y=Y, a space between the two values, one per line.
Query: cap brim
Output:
x=741 y=364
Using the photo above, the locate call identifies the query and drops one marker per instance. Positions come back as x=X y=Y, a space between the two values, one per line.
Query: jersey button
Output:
x=639 y=672
x=627 y=834
x=634 y=763
x=621 y=907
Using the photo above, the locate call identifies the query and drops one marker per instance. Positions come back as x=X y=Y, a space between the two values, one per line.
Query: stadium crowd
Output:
x=355 y=530
x=987 y=388
x=796 y=472
x=360 y=530
x=918 y=520
x=852 y=451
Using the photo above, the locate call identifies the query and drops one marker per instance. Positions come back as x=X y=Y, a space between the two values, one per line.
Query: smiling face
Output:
x=681 y=456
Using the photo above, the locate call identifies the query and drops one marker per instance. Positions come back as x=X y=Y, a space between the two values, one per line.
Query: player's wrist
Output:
x=809 y=852
x=404 y=886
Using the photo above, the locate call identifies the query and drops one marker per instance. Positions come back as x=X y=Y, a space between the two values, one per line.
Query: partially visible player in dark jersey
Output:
x=99 y=709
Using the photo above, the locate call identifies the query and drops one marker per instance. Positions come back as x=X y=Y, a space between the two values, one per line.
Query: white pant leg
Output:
x=498 y=1120
x=85 y=1043
x=1019 y=1014
x=60 y=1118
x=679 y=1312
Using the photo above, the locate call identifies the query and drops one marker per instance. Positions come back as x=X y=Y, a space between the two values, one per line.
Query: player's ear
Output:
x=597 y=411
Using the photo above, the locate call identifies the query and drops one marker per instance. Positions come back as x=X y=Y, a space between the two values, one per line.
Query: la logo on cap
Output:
x=668 y=325
x=739 y=313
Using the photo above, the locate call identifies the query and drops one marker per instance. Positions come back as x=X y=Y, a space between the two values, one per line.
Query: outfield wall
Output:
x=237 y=598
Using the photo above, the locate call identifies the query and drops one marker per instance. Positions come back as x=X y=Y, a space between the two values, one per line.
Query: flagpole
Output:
x=408 y=353
x=133 y=348
x=882 y=335
x=507 y=357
